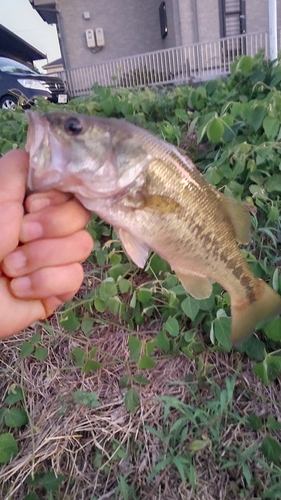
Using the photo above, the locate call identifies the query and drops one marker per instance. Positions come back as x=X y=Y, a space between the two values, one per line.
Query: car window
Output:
x=11 y=66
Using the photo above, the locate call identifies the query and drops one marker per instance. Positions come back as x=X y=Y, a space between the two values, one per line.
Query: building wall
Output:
x=130 y=27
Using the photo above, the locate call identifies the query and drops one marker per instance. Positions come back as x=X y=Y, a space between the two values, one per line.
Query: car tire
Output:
x=8 y=102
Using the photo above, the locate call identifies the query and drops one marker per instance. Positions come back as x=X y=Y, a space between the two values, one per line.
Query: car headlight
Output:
x=32 y=84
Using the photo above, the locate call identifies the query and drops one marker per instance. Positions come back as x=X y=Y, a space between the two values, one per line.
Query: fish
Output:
x=157 y=200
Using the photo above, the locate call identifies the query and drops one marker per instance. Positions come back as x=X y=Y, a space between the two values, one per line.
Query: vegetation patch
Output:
x=132 y=390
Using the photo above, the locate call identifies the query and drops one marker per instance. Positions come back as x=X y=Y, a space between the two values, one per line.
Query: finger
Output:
x=13 y=175
x=48 y=253
x=54 y=221
x=47 y=282
x=26 y=311
x=37 y=201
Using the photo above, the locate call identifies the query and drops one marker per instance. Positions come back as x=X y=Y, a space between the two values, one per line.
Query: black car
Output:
x=19 y=81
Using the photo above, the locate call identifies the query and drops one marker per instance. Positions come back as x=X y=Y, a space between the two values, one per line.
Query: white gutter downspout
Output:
x=272 y=28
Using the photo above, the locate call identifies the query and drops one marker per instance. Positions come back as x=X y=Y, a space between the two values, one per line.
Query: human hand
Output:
x=40 y=251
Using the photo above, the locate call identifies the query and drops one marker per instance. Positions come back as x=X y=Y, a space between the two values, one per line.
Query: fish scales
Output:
x=157 y=200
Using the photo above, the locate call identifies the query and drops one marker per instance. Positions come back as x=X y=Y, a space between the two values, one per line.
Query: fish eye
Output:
x=73 y=125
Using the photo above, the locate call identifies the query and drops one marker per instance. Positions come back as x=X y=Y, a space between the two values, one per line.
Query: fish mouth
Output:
x=45 y=152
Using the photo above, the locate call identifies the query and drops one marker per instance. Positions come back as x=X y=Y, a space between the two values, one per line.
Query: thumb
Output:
x=13 y=176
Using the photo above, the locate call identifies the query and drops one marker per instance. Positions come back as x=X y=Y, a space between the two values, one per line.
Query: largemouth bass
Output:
x=157 y=200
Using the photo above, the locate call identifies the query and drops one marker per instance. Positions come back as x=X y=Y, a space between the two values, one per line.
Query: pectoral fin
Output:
x=197 y=286
x=136 y=249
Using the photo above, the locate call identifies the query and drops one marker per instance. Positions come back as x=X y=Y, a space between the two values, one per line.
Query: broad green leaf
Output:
x=124 y=285
x=271 y=126
x=107 y=289
x=254 y=422
x=273 y=183
x=191 y=306
x=41 y=353
x=26 y=349
x=15 y=417
x=113 y=305
x=87 y=325
x=15 y=396
x=51 y=481
x=150 y=346
x=271 y=450
x=99 y=304
x=8 y=448
x=162 y=341
x=273 y=329
x=245 y=65
x=144 y=295
x=273 y=424
x=172 y=326
x=91 y=365
x=69 y=321
x=256 y=116
x=86 y=398
x=79 y=356
x=273 y=366
x=198 y=444
x=260 y=369
x=124 y=381
x=254 y=348
x=139 y=379
x=215 y=129
x=222 y=327
x=146 y=363
x=135 y=346
x=132 y=400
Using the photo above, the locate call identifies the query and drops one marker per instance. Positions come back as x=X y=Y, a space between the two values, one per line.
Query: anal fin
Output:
x=197 y=286
x=136 y=249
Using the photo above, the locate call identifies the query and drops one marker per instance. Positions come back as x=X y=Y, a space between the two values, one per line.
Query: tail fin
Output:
x=246 y=316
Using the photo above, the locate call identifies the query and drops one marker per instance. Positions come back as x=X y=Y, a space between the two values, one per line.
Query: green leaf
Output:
x=69 y=321
x=271 y=126
x=86 y=398
x=79 y=356
x=256 y=116
x=273 y=366
x=26 y=349
x=271 y=450
x=162 y=341
x=273 y=329
x=139 y=379
x=132 y=400
x=172 y=326
x=254 y=348
x=87 y=325
x=190 y=307
x=124 y=381
x=273 y=183
x=107 y=289
x=245 y=65
x=254 y=422
x=273 y=424
x=144 y=295
x=41 y=353
x=15 y=396
x=198 y=444
x=124 y=285
x=135 y=346
x=15 y=417
x=260 y=369
x=8 y=448
x=146 y=363
x=31 y=496
x=51 y=482
x=91 y=365
x=113 y=305
x=222 y=327
x=215 y=129
x=99 y=304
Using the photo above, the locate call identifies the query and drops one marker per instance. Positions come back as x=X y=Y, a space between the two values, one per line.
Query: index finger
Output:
x=13 y=177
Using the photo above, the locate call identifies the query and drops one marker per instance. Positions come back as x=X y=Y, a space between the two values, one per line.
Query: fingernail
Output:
x=38 y=204
x=15 y=262
x=21 y=285
x=30 y=231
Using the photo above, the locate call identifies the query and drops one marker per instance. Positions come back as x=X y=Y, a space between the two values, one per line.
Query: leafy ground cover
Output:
x=132 y=389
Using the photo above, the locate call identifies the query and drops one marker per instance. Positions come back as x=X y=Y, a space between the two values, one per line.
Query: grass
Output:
x=191 y=436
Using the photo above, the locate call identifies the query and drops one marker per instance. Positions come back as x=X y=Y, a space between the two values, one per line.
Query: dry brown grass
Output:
x=84 y=443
